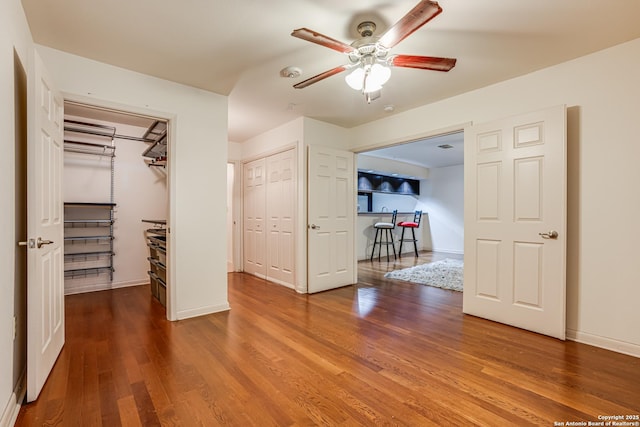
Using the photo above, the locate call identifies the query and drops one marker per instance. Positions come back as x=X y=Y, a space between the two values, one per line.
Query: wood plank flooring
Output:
x=381 y=352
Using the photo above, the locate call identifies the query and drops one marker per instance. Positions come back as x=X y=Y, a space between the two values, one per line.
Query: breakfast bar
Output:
x=365 y=232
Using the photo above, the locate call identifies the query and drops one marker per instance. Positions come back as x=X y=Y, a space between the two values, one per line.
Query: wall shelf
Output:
x=88 y=239
x=379 y=183
x=85 y=272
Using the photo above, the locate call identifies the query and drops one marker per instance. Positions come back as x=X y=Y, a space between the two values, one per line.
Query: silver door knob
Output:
x=314 y=227
x=549 y=235
x=41 y=242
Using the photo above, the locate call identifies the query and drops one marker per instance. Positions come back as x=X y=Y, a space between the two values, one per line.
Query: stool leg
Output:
x=401 y=240
x=386 y=241
x=393 y=245
x=415 y=242
x=373 y=249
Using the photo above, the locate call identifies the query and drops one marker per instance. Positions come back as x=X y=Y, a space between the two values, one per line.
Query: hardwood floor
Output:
x=378 y=353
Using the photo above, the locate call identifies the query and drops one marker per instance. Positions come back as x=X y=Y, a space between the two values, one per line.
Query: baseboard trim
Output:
x=130 y=283
x=83 y=289
x=604 y=342
x=449 y=251
x=12 y=408
x=201 y=311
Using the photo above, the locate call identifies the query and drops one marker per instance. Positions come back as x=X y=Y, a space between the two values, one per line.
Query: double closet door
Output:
x=270 y=200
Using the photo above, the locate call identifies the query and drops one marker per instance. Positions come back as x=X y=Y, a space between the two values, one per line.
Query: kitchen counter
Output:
x=384 y=213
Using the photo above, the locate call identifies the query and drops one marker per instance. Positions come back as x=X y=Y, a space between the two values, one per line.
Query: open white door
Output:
x=515 y=221
x=331 y=220
x=45 y=228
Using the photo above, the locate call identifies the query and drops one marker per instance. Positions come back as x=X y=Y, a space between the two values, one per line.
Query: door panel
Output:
x=281 y=207
x=515 y=191
x=254 y=217
x=331 y=219
x=45 y=284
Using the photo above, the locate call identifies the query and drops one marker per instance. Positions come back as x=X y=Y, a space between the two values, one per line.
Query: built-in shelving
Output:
x=88 y=240
x=157 y=151
x=88 y=226
x=157 y=243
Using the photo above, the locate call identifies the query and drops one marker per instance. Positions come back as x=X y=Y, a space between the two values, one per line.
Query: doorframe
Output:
x=300 y=281
x=407 y=140
x=171 y=118
x=21 y=99
x=235 y=233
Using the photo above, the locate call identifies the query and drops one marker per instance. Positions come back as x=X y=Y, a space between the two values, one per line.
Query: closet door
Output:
x=281 y=204
x=254 y=217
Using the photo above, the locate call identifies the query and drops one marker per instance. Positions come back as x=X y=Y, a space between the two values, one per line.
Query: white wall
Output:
x=442 y=197
x=197 y=169
x=140 y=192
x=602 y=92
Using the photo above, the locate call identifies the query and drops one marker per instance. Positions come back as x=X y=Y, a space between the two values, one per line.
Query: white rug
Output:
x=445 y=274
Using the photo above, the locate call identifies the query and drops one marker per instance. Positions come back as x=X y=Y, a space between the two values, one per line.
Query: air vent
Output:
x=445 y=146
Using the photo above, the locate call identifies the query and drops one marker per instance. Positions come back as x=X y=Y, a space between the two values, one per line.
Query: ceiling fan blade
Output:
x=423 y=62
x=322 y=40
x=416 y=18
x=319 y=77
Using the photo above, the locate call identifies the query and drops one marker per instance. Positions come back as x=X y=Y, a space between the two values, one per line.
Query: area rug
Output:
x=445 y=274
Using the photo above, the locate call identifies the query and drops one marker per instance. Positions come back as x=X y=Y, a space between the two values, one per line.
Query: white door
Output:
x=331 y=219
x=515 y=221
x=45 y=227
x=281 y=207
x=254 y=217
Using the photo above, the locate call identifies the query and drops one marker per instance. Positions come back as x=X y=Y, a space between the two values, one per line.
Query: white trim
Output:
x=172 y=119
x=201 y=311
x=412 y=138
x=604 y=342
x=129 y=283
x=449 y=251
x=92 y=287
x=12 y=408
x=267 y=153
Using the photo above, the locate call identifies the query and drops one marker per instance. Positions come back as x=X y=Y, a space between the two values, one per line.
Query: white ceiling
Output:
x=237 y=48
x=428 y=153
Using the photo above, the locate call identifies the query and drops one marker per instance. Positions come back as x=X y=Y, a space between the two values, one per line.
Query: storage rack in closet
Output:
x=157 y=243
x=88 y=248
x=157 y=152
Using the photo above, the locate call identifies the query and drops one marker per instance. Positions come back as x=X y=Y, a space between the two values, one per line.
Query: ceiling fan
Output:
x=369 y=56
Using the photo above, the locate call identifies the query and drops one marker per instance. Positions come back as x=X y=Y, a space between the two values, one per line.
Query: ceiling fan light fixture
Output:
x=368 y=78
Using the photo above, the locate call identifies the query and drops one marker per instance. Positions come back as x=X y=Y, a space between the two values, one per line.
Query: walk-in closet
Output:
x=115 y=200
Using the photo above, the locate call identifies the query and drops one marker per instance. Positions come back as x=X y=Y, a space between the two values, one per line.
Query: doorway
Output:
x=116 y=200
x=437 y=164
x=20 y=212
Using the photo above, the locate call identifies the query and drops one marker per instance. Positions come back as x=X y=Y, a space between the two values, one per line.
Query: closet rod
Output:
x=90 y=126
x=91 y=144
x=112 y=134
x=97 y=153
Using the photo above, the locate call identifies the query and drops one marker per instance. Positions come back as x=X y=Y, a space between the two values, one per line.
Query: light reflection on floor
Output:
x=365 y=301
